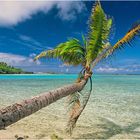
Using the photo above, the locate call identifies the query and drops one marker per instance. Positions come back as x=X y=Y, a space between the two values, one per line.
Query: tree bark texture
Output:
x=17 y=111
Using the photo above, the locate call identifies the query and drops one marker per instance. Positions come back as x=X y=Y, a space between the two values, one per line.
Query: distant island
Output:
x=6 y=69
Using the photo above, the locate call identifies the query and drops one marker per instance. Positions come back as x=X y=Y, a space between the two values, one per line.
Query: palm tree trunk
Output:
x=72 y=121
x=77 y=109
x=17 y=111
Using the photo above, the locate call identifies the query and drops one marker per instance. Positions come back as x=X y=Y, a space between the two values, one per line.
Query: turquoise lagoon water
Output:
x=113 y=110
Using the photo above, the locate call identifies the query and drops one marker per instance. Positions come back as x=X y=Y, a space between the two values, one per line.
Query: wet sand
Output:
x=94 y=123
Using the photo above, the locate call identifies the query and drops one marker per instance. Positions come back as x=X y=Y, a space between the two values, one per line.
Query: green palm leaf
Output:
x=126 y=40
x=70 y=52
x=99 y=29
x=122 y=43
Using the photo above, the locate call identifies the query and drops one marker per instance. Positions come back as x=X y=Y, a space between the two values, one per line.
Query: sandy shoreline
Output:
x=45 y=124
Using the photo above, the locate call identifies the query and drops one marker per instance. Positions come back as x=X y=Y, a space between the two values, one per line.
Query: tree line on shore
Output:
x=6 y=69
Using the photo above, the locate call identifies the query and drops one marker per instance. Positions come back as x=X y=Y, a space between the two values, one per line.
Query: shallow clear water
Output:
x=112 y=112
x=17 y=87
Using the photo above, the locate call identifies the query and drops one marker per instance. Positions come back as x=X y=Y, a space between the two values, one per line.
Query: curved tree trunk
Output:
x=72 y=121
x=17 y=111
x=76 y=111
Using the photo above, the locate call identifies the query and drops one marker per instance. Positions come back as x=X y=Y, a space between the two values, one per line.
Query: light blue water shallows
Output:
x=114 y=96
x=115 y=101
x=36 y=76
x=16 y=87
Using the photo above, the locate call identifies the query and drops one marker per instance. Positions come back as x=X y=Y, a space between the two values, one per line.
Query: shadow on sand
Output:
x=110 y=129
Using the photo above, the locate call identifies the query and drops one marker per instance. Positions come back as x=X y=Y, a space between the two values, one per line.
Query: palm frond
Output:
x=101 y=55
x=70 y=52
x=127 y=39
x=84 y=41
x=47 y=53
x=99 y=30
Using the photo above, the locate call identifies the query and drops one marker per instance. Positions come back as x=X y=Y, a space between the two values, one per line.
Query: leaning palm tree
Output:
x=88 y=53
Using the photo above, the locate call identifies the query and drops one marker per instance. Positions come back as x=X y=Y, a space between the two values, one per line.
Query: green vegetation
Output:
x=6 y=69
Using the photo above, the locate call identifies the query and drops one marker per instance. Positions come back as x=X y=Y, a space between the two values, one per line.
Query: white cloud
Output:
x=64 y=65
x=17 y=60
x=68 y=10
x=11 y=58
x=119 y=69
x=67 y=70
x=14 y=12
x=30 y=42
x=32 y=55
x=108 y=69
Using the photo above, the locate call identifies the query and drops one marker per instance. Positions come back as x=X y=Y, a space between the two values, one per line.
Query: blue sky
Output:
x=27 y=28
